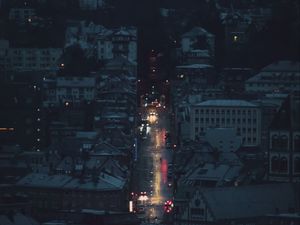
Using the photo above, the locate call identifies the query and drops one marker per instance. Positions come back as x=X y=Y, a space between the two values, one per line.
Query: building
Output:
x=21 y=15
x=91 y=4
x=244 y=116
x=69 y=90
x=202 y=74
x=28 y=59
x=64 y=192
x=118 y=42
x=101 y=42
x=21 y=114
x=223 y=139
x=198 y=38
x=284 y=145
x=234 y=205
x=280 y=76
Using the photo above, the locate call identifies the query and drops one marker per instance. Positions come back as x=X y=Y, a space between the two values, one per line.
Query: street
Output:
x=151 y=185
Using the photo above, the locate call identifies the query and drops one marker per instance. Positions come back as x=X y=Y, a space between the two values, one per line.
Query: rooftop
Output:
x=76 y=82
x=195 y=66
x=105 y=182
x=250 y=201
x=226 y=103
x=197 y=31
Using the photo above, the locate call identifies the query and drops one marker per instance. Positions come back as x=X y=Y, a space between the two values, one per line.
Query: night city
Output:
x=144 y=112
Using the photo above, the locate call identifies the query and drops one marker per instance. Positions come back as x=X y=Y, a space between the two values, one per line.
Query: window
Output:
x=197 y=111
x=297 y=143
x=274 y=141
x=274 y=164
x=197 y=119
x=196 y=129
x=283 y=165
x=297 y=165
x=284 y=141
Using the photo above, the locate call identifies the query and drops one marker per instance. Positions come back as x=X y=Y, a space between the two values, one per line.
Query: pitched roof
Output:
x=287 y=116
x=249 y=201
x=226 y=103
x=197 y=31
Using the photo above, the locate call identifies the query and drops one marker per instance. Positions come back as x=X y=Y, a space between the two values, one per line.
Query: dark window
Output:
x=274 y=164
x=197 y=110
x=297 y=143
x=283 y=165
x=197 y=211
x=297 y=165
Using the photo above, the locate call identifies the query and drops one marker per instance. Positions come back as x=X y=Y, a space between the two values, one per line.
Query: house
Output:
x=278 y=77
x=284 y=142
x=198 y=38
x=64 y=192
x=91 y=4
x=234 y=205
x=244 y=116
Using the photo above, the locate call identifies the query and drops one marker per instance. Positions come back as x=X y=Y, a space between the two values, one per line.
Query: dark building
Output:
x=284 y=146
x=21 y=114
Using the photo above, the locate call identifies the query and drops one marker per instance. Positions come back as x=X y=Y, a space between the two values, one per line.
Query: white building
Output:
x=244 y=116
x=281 y=76
x=28 y=59
x=91 y=4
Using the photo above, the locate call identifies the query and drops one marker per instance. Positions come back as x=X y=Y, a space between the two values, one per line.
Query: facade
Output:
x=69 y=90
x=21 y=115
x=28 y=59
x=284 y=145
x=21 y=15
x=244 y=116
x=198 y=38
x=281 y=76
x=234 y=205
x=101 y=42
x=64 y=192
x=121 y=41
x=91 y=4
x=202 y=74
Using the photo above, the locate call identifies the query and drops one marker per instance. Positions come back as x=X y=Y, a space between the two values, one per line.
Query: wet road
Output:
x=151 y=171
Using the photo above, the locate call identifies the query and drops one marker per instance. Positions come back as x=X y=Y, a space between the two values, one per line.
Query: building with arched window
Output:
x=284 y=142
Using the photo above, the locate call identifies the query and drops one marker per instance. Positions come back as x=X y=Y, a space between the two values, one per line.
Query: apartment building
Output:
x=280 y=76
x=244 y=116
